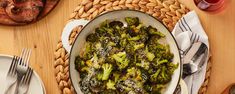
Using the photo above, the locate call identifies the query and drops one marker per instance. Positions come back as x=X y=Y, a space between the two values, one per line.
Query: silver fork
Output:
x=25 y=81
x=11 y=75
x=191 y=67
x=22 y=66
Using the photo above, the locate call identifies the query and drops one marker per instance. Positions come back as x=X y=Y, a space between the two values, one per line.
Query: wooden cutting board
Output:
x=5 y=20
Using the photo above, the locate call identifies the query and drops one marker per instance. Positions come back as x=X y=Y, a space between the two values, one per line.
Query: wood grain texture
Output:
x=42 y=37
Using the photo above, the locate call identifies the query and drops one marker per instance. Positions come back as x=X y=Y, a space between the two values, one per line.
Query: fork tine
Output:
x=15 y=64
x=24 y=57
x=28 y=57
x=21 y=56
x=29 y=77
x=12 y=65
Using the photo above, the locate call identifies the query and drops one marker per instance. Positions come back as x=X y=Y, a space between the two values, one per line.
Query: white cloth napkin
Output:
x=183 y=30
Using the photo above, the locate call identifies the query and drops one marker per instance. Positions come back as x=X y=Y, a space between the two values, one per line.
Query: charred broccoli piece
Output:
x=107 y=69
x=116 y=76
x=132 y=21
x=164 y=77
x=154 y=77
x=129 y=48
x=121 y=59
x=88 y=53
x=154 y=31
x=134 y=73
x=116 y=24
x=92 y=37
x=99 y=75
x=79 y=63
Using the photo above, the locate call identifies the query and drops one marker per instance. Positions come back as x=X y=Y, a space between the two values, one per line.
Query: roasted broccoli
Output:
x=154 y=77
x=132 y=21
x=154 y=31
x=110 y=85
x=107 y=69
x=138 y=46
x=79 y=63
x=121 y=59
x=125 y=59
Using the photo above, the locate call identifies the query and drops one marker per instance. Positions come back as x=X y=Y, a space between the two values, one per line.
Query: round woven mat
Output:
x=167 y=11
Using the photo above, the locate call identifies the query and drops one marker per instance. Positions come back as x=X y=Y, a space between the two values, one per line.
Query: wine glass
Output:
x=209 y=5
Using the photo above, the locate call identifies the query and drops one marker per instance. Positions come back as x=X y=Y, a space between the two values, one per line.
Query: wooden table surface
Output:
x=43 y=36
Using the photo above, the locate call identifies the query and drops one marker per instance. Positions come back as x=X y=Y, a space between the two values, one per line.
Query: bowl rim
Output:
x=180 y=74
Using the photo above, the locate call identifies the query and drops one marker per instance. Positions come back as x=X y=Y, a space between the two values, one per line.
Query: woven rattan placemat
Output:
x=167 y=11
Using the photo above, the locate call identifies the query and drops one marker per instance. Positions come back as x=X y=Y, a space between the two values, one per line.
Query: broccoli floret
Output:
x=154 y=77
x=144 y=74
x=156 y=89
x=110 y=85
x=121 y=85
x=144 y=64
x=89 y=63
x=116 y=24
x=154 y=31
x=88 y=53
x=94 y=62
x=138 y=46
x=79 y=63
x=134 y=38
x=129 y=49
x=164 y=77
x=99 y=76
x=116 y=76
x=148 y=87
x=162 y=62
x=134 y=73
x=100 y=32
x=107 y=69
x=143 y=34
x=92 y=37
x=111 y=44
x=123 y=43
x=150 y=56
x=132 y=31
x=85 y=69
x=121 y=59
x=132 y=21
x=94 y=82
x=172 y=67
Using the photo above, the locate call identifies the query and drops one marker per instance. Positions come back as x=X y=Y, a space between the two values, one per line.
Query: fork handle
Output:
x=8 y=87
x=17 y=84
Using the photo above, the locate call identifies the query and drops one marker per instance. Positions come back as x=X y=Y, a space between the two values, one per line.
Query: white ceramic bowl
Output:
x=120 y=15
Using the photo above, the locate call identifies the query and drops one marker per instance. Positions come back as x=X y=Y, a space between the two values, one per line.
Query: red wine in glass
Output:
x=209 y=5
